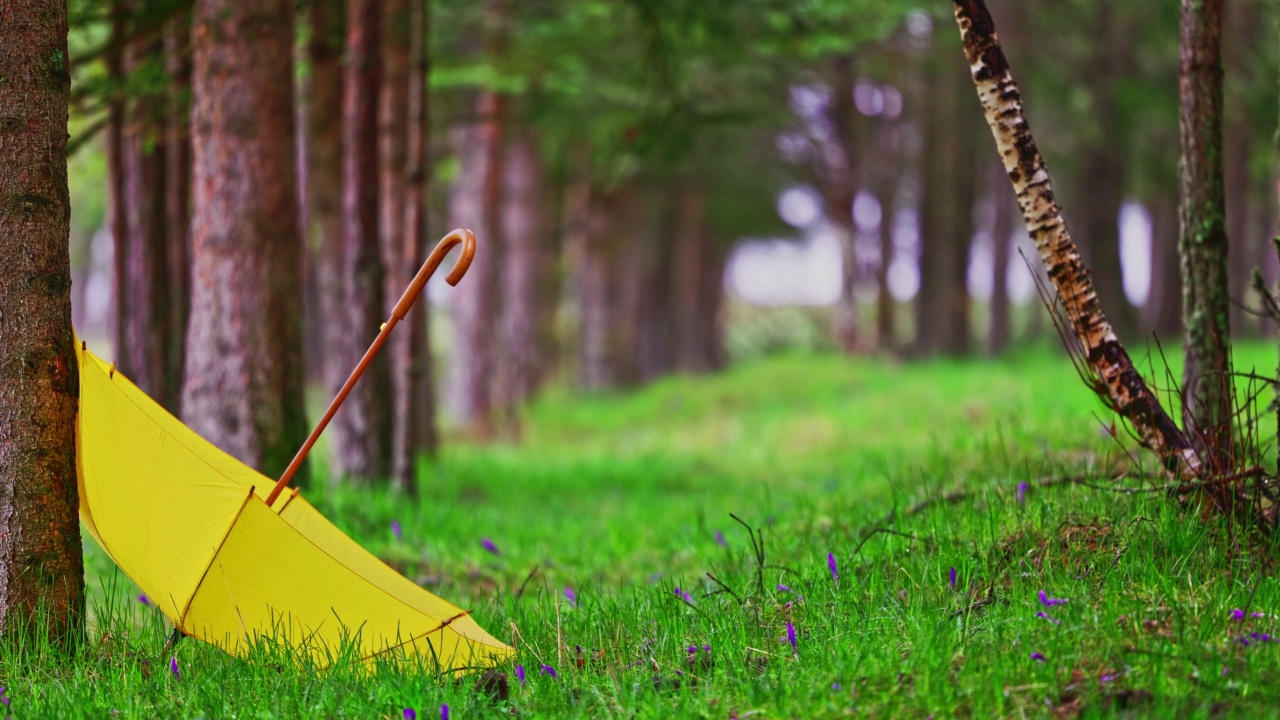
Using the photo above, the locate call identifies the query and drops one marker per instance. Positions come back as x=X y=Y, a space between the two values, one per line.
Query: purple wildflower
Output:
x=720 y=539
x=1108 y=678
x=1050 y=602
x=488 y=545
x=835 y=687
x=520 y=674
x=4 y=698
x=571 y=596
x=444 y=712
x=953 y=579
x=783 y=588
x=1224 y=671
x=684 y=596
x=1237 y=614
x=142 y=598
x=173 y=667
x=1050 y=618
x=395 y=529
x=1022 y=493
x=835 y=571
x=693 y=649
x=1038 y=657
x=410 y=714
x=548 y=670
x=791 y=637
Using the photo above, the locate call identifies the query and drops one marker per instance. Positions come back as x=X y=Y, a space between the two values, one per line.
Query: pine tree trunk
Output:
x=946 y=220
x=699 y=287
x=1101 y=351
x=143 y=341
x=476 y=302
x=597 y=296
x=41 y=570
x=361 y=434
x=393 y=88
x=243 y=386
x=1163 y=311
x=887 y=183
x=1100 y=180
x=1206 y=376
x=177 y=48
x=525 y=265
x=655 y=312
x=411 y=362
x=117 y=208
x=324 y=188
x=840 y=193
x=1002 y=209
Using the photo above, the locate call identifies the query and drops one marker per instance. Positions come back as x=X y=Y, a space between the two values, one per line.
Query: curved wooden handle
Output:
x=401 y=310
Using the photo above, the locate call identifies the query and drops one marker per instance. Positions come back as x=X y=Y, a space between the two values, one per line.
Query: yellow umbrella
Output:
x=233 y=561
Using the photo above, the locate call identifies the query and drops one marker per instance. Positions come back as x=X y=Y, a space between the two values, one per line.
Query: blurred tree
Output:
x=177 y=192
x=1206 y=378
x=413 y=387
x=361 y=433
x=243 y=387
x=41 y=569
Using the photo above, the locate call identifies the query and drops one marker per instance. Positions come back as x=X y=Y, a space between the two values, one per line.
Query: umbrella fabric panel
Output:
x=304 y=518
x=269 y=582
x=155 y=505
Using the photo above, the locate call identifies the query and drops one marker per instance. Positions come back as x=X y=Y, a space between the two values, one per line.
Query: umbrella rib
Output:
x=204 y=575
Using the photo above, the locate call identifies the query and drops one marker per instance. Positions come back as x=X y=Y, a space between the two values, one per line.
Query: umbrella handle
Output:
x=398 y=313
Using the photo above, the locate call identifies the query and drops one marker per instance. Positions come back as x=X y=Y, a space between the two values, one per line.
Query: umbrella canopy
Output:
x=190 y=525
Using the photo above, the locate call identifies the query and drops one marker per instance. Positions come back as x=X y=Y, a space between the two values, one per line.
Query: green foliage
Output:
x=622 y=498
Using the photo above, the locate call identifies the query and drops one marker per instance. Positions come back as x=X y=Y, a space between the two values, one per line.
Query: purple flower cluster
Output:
x=684 y=596
x=1038 y=657
x=173 y=667
x=953 y=579
x=488 y=545
x=571 y=596
x=1022 y=493
x=1049 y=602
x=520 y=674
x=835 y=570
x=693 y=649
x=791 y=638
x=720 y=539
x=548 y=670
x=410 y=714
x=395 y=530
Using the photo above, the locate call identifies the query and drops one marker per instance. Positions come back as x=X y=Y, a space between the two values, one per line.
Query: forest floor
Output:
x=1060 y=597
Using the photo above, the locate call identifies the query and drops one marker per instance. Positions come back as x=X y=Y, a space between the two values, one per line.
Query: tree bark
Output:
x=393 y=88
x=946 y=220
x=117 y=208
x=361 y=437
x=1001 y=237
x=526 y=264
x=886 y=184
x=598 y=344
x=842 y=171
x=1101 y=351
x=243 y=386
x=698 y=273
x=1100 y=181
x=1206 y=377
x=143 y=341
x=1162 y=313
x=177 y=48
x=411 y=362
x=41 y=569
x=476 y=302
x=324 y=188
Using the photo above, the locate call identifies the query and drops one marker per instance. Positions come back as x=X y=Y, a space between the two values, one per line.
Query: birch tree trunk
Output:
x=1206 y=375
x=1116 y=377
x=41 y=569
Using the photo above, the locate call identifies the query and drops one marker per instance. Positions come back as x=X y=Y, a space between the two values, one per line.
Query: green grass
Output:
x=622 y=497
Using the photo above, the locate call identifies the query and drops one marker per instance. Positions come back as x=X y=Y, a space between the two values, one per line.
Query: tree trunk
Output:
x=361 y=437
x=1206 y=377
x=143 y=340
x=393 y=88
x=41 y=570
x=525 y=265
x=698 y=272
x=842 y=172
x=412 y=378
x=1101 y=352
x=1002 y=219
x=654 y=314
x=597 y=297
x=946 y=220
x=324 y=188
x=476 y=302
x=177 y=48
x=243 y=386
x=887 y=185
x=117 y=208
x=1100 y=180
